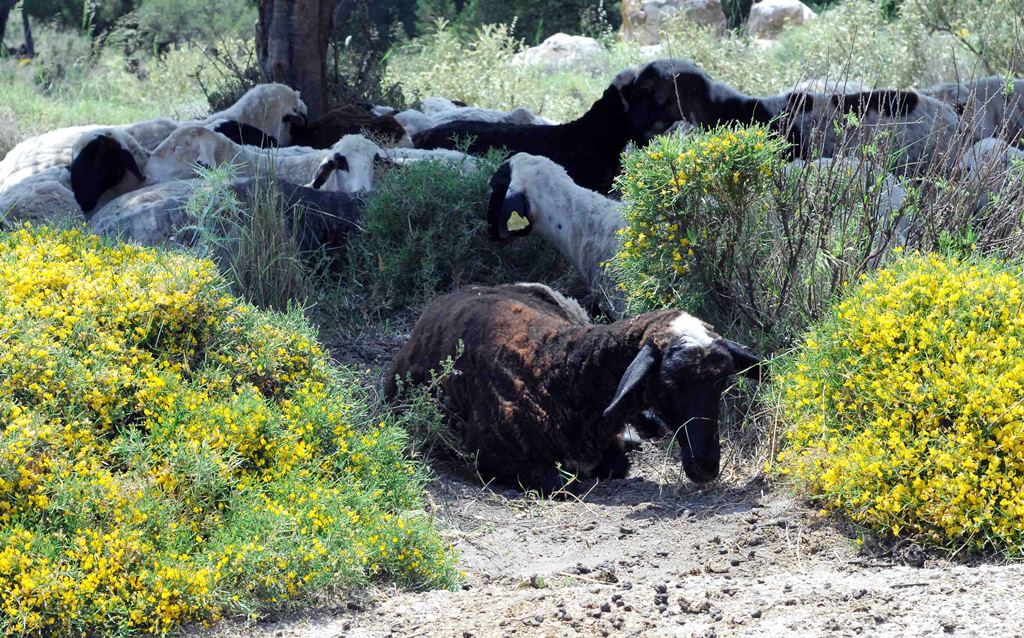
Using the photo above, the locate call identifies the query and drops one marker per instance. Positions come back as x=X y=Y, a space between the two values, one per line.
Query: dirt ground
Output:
x=653 y=555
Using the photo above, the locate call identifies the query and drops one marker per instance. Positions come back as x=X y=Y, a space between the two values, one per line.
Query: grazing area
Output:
x=510 y=318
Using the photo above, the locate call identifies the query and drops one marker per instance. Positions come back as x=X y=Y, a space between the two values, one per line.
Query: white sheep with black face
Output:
x=55 y=148
x=188 y=147
x=352 y=158
x=105 y=163
x=270 y=108
x=531 y=194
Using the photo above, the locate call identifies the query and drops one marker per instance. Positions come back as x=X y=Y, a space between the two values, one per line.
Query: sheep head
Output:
x=272 y=108
x=100 y=161
x=508 y=210
x=679 y=374
x=349 y=166
x=177 y=156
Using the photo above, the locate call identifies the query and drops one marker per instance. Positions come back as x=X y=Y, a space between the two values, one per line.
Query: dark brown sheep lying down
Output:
x=541 y=394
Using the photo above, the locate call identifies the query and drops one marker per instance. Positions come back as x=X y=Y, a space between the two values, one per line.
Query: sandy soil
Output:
x=654 y=555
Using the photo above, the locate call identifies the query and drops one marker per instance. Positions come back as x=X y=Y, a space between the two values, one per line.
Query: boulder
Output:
x=643 y=19
x=769 y=17
x=563 y=52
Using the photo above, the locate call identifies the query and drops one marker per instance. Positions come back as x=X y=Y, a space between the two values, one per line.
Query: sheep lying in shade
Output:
x=332 y=171
x=436 y=111
x=538 y=388
x=589 y=148
x=349 y=120
x=55 y=148
x=43 y=198
x=177 y=157
x=105 y=163
x=157 y=215
x=532 y=194
x=994 y=169
x=273 y=109
x=991 y=107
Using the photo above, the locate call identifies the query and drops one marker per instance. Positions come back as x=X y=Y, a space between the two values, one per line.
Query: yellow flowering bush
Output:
x=669 y=188
x=171 y=454
x=904 y=407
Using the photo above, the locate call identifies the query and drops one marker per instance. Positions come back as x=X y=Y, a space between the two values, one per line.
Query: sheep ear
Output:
x=386 y=162
x=128 y=161
x=642 y=365
x=746 y=362
x=323 y=173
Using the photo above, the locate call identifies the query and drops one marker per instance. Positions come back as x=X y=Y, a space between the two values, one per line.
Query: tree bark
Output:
x=291 y=43
x=30 y=47
x=5 y=12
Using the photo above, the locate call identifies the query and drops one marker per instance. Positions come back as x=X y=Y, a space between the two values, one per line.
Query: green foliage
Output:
x=425 y=234
x=902 y=406
x=81 y=15
x=534 y=20
x=157 y=24
x=719 y=225
x=170 y=454
x=990 y=29
x=255 y=247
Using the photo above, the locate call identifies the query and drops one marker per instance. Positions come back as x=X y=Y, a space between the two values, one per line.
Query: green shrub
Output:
x=425 y=234
x=902 y=407
x=170 y=454
x=719 y=224
x=252 y=243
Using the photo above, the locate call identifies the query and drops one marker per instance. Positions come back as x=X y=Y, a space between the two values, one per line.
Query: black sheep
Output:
x=540 y=392
x=588 y=148
x=347 y=120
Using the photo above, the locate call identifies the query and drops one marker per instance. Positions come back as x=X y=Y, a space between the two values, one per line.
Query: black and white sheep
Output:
x=272 y=109
x=334 y=170
x=105 y=163
x=55 y=148
x=921 y=128
x=156 y=215
x=539 y=390
x=589 y=148
x=187 y=147
x=531 y=194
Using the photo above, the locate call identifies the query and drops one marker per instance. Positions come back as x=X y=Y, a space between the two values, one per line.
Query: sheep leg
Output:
x=614 y=463
x=539 y=476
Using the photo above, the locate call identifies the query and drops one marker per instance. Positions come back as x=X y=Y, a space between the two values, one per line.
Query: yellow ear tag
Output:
x=517 y=222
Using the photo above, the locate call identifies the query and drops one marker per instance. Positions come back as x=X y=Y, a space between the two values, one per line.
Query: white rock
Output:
x=643 y=19
x=769 y=17
x=564 y=52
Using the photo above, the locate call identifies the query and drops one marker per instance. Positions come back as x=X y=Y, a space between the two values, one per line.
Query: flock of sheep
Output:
x=542 y=396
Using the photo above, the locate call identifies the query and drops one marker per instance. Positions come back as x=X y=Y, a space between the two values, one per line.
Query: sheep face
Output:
x=272 y=108
x=680 y=375
x=178 y=155
x=349 y=166
x=508 y=210
x=99 y=164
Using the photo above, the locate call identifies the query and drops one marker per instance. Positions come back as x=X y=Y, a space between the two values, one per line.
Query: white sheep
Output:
x=532 y=194
x=55 y=148
x=271 y=108
x=42 y=198
x=828 y=87
x=105 y=163
x=178 y=156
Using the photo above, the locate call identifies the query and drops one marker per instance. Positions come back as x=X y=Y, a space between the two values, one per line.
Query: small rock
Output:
x=756 y=613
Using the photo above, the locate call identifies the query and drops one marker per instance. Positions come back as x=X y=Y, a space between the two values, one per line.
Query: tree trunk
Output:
x=30 y=47
x=291 y=42
x=5 y=12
